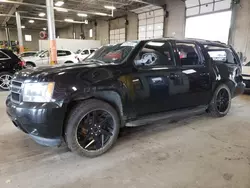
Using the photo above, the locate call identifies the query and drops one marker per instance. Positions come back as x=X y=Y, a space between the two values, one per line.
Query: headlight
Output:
x=38 y=92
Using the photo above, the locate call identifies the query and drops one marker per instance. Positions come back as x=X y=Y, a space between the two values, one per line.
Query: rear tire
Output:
x=82 y=134
x=221 y=101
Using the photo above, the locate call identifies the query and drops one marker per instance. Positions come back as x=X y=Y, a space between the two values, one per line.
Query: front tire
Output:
x=221 y=101
x=92 y=128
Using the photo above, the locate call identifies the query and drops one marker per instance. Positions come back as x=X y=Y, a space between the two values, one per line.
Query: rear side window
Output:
x=188 y=54
x=221 y=55
x=63 y=53
x=3 y=56
x=91 y=51
x=155 y=54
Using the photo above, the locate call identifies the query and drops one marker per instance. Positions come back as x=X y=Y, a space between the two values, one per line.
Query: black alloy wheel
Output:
x=92 y=128
x=222 y=100
x=95 y=130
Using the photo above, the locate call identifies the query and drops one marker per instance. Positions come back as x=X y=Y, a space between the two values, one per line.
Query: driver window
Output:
x=155 y=54
x=45 y=54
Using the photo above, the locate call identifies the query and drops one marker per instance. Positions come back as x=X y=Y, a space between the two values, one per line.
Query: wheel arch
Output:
x=229 y=83
x=111 y=97
x=30 y=62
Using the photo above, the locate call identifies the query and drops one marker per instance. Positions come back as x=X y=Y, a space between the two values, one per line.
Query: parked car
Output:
x=28 y=54
x=10 y=64
x=246 y=75
x=83 y=54
x=127 y=84
x=42 y=59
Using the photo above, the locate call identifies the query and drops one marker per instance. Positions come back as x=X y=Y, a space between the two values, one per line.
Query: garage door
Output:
x=151 y=24
x=208 y=19
x=117 y=36
x=150 y=21
x=200 y=7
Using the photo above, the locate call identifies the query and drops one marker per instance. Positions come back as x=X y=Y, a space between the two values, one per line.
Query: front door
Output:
x=157 y=81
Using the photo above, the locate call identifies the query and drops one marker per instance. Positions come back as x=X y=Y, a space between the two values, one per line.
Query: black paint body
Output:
x=10 y=63
x=133 y=92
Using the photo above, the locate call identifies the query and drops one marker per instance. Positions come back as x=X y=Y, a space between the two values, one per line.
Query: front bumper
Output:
x=42 y=121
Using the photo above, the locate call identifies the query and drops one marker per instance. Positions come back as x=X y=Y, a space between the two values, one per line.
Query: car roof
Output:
x=193 y=40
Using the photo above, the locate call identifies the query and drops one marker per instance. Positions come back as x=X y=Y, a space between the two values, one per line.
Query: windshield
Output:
x=39 y=53
x=114 y=54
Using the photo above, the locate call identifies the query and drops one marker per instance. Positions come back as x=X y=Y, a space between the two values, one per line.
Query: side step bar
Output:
x=167 y=115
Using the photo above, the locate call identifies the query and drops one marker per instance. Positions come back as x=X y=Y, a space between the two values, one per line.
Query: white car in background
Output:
x=246 y=75
x=42 y=59
x=83 y=54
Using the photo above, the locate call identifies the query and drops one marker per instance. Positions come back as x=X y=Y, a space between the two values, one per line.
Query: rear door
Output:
x=194 y=73
x=62 y=56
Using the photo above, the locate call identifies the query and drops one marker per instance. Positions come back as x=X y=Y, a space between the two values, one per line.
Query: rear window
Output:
x=3 y=56
x=63 y=53
x=9 y=54
x=221 y=54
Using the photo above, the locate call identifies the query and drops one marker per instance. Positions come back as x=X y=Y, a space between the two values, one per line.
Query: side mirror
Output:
x=41 y=56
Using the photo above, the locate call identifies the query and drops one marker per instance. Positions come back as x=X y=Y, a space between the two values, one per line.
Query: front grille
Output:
x=247 y=82
x=16 y=91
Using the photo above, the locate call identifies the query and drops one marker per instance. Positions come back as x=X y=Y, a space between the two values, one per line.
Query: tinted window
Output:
x=188 y=54
x=68 y=52
x=222 y=55
x=91 y=51
x=3 y=56
x=63 y=53
x=155 y=54
x=28 y=54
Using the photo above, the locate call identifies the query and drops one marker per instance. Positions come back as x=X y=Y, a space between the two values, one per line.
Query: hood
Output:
x=45 y=73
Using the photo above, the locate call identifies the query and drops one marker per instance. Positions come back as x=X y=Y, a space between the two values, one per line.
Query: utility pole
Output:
x=19 y=32
x=52 y=31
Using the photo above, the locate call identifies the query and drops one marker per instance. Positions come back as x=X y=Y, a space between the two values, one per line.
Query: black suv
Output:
x=126 y=84
x=9 y=64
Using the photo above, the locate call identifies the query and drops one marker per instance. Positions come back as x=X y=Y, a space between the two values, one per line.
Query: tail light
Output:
x=22 y=63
